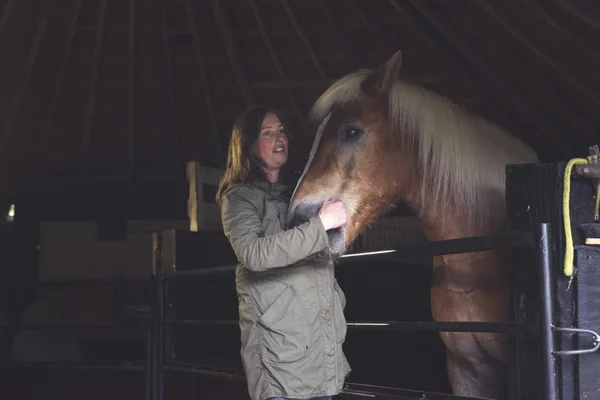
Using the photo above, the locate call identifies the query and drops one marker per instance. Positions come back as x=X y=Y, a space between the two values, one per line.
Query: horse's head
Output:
x=352 y=153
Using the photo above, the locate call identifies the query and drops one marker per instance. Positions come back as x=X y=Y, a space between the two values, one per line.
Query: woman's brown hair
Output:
x=243 y=165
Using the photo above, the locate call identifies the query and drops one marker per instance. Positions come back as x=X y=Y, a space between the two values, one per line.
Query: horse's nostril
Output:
x=303 y=213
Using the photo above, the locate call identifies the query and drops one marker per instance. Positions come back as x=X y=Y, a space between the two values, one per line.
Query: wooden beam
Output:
x=200 y=57
x=577 y=40
x=321 y=84
x=556 y=64
x=362 y=12
x=277 y=64
x=230 y=48
x=170 y=95
x=500 y=54
x=6 y=13
x=487 y=72
x=15 y=105
x=44 y=137
x=131 y=97
x=358 y=56
x=307 y=44
x=582 y=16
x=91 y=104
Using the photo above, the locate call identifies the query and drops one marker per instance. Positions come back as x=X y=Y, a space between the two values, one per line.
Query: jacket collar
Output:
x=274 y=189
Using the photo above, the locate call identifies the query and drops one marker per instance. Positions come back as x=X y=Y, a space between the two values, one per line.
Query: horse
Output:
x=382 y=140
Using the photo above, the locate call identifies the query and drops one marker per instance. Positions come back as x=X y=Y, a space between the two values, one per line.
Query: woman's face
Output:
x=272 y=146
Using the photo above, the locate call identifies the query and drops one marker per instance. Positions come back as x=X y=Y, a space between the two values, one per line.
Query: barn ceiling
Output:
x=127 y=89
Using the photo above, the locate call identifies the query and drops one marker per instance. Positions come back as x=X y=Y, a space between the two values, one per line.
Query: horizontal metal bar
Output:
x=212 y=373
x=197 y=322
x=511 y=239
x=77 y=326
x=528 y=328
x=351 y=390
x=199 y=272
x=403 y=326
x=13 y=365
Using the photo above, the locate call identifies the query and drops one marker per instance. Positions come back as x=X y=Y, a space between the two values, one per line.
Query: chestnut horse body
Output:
x=381 y=140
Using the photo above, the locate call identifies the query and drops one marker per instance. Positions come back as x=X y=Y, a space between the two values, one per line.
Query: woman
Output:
x=290 y=305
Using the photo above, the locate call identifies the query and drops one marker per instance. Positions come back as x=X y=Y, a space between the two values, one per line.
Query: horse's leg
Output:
x=472 y=371
x=476 y=362
x=475 y=375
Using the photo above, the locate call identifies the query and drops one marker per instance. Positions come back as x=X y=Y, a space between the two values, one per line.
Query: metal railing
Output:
x=538 y=239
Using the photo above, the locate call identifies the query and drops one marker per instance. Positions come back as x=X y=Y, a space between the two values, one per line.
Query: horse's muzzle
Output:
x=302 y=213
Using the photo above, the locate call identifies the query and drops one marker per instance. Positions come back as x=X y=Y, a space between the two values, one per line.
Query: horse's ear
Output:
x=381 y=81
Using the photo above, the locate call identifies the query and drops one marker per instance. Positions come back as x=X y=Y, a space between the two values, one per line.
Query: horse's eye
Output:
x=352 y=133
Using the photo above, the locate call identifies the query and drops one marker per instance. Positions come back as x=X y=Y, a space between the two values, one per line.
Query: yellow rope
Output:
x=568 y=266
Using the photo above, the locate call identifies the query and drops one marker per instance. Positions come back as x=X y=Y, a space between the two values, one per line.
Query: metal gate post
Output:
x=159 y=338
x=546 y=293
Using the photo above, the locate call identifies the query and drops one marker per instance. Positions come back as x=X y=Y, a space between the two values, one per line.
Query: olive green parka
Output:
x=291 y=308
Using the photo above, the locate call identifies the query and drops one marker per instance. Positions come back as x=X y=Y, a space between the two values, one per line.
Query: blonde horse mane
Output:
x=461 y=156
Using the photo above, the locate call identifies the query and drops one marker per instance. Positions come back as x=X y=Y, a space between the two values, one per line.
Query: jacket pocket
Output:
x=339 y=302
x=285 y=333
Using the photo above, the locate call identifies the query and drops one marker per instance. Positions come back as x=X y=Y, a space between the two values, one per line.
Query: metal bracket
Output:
x=595 y=341
x=591 y=170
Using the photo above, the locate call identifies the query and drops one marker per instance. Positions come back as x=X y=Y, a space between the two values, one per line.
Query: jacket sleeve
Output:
x=243 y=227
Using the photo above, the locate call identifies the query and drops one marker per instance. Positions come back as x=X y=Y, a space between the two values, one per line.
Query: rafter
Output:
x=307 y=44
x=342 y=32
x=280 y=71
x=485 y=70
x=6 y=13
x=232 y=54
x=173 y=131
x=500 y=52
x=362 y=12
x=44 y=137
x=556 y=64
x=15 y=105
x=91 y=104
x=203 y=78
x=131 y=97
x=578 y=40
x=568 y=6
x=319 y=84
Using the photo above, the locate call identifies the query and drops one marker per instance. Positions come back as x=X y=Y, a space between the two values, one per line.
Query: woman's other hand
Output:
x=333 y=214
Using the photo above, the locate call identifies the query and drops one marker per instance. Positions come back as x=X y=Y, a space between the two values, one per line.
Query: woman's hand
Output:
x=333 y=214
